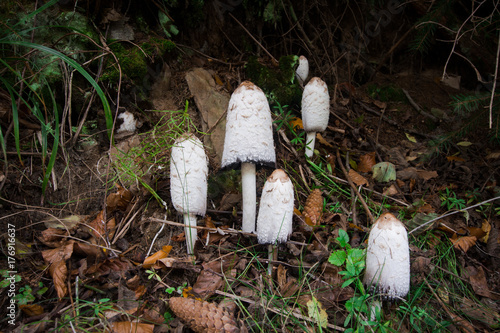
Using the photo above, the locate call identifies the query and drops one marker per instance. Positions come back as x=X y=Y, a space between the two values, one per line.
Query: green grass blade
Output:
x=80 y=69
x=55 y=146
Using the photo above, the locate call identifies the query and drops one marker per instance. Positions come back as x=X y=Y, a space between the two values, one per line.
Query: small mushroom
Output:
x=249 y=141
x=315 y=110
x=188 y=183
x=302 y=70
x=388 y=258
x=274 y=223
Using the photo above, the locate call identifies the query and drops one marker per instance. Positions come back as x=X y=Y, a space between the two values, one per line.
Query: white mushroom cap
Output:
x=249 y=135
x=315 y=105
x=188 y=176
x=302 y=70
x=388 y=258
x=274 y=222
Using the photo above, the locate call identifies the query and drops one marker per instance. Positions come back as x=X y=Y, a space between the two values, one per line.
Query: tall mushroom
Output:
x=274 y=223
x=302 y=70
x=188 y=183
x=388 y=258
x=249 y=141
x=315 y=110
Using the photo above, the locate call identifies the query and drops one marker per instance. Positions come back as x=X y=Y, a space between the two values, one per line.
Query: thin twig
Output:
x=365 y=206
x=255 y=40
x=278 y=311
x=494 y=83
x=455 y=212
x=218 y=230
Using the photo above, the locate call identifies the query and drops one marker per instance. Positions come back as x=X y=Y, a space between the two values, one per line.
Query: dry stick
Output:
x=458 y=36
x=277 y=310
x=455 y=212
x=218 y=230
x=365 y=206
x=417 y=107
x=255 y=40
x=464 y=325
x=494 y=83
x=387 y=55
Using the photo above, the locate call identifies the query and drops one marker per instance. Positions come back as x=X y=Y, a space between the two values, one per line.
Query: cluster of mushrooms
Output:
x=249 y=142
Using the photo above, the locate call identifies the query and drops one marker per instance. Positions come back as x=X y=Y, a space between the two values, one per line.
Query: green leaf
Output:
x=337 y=258
x=348 y=282
x=343 y=238
x=384 y=172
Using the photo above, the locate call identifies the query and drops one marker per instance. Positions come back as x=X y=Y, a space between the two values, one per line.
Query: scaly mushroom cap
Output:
x=249 y=128
x=315 y=105
x=388 y=258
x=302 y=70
x=274 y=222
x=188 y=175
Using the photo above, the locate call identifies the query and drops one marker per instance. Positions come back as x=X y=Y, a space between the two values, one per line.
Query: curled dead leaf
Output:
x=463 y=243
x=59 y=273
x=152 y=259
x=357 y=178
x=366 y=162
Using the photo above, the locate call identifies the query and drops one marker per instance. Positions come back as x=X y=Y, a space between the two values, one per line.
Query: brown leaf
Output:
x=322 y=140
x=463 y=243
x=479 y=312
x=31 y=310
x=53 y=237
x=477 y=232
x=454 y=159
x=129 y=326
x=281 y=276
x=163 y=253
x=59 y=273
x=478 y=281
x=391 y=190
x=210 y=278
x=357 y=178
x=366 y=162
x=118 y=200
x=486 y=227
x=59 y=254
x=426 y=175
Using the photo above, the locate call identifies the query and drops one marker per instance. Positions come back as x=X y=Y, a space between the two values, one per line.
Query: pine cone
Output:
x=203 y=317
x=314 y=207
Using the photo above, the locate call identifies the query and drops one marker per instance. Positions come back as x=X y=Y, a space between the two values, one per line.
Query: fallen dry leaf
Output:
x=477 y=232
x=426 y=175
x=479 y=312
x=357 y=178
x=366 y=162
x=118 y=200
x=59 y=273
x=463 y=243
x=59 y=254
x=478 y=281
x=486 y=227
x=322 y=140
x=210 y=278
x=281 y=276
x=53 y=237
x=31 y=310
x=152 y=259
x=391 y=190
x=129 y=326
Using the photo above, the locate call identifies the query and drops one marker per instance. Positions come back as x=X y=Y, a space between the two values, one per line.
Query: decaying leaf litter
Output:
x=230 y=267
x=360 y=169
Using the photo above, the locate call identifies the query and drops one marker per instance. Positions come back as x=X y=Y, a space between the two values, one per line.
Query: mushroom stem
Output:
x=270 y=249
x=310 y=140
x=248 y=184
x=190 y=233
